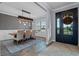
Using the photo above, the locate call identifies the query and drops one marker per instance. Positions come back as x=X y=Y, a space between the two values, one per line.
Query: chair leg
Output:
x=16 y=42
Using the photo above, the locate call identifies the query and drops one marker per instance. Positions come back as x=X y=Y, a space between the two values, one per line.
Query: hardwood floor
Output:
x=55 y=49
x=60 y=49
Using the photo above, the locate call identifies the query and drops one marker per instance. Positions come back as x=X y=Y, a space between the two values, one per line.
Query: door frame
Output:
x=60 y=29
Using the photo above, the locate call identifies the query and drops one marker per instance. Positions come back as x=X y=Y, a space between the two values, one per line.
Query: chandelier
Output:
x=24 y=20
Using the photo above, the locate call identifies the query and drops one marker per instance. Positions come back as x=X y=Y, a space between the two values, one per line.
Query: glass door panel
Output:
x=68 y=29
x=58 y=25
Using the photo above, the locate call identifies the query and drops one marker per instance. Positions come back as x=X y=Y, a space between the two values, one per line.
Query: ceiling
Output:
x=36 y=10
x=55 y=5
x=27 y=6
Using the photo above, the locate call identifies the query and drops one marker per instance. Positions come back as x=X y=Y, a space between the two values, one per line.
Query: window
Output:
x=40 y=25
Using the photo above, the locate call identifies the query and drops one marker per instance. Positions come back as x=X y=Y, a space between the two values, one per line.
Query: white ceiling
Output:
x=28 y=6
x=35 y=10
x=55 y=5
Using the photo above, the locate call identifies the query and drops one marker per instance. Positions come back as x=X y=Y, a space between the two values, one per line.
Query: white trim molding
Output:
x=70 y=6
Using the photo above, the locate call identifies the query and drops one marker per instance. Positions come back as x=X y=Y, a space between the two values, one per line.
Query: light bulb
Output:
x=24 y=24
x=20 y=22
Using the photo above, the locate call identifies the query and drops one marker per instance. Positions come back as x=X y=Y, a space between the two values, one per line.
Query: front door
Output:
x=67 y=31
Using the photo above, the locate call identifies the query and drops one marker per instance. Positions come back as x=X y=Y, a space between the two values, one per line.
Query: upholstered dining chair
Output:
x=33 y=34
x=19 y=36
x=28 y=34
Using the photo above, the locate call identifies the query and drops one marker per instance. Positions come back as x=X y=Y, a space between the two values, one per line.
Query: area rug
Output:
x=12 y=48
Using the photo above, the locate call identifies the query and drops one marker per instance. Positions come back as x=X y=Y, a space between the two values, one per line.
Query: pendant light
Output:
x=23 y=19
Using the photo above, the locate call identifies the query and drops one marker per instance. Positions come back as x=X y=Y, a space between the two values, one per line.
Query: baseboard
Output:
x=5 y=39
x=50 y=43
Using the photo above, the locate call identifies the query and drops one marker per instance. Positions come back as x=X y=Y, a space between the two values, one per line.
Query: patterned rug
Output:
x=13 y=48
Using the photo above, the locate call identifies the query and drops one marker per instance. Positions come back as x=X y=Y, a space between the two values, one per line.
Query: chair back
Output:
x=20 y=35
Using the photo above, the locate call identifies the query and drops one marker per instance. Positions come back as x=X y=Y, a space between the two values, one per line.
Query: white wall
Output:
x=53 y=25
x=49 y=27
x=59 y=10
x=4 y=34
